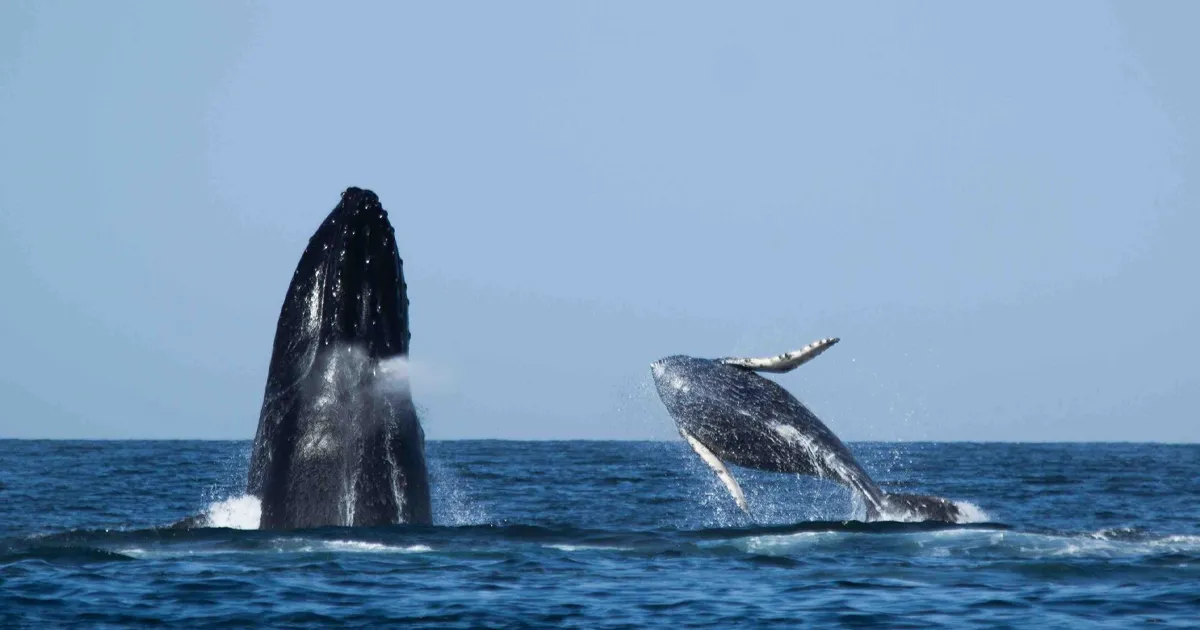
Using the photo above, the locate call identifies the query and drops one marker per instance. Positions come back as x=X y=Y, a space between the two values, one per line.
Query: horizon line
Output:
x=492 y=439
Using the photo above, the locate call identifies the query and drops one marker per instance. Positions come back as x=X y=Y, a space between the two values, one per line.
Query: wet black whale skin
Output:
x=334 y=447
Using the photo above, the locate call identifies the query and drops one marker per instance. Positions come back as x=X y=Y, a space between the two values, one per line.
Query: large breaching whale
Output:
x=728 y=413
x=339 y=442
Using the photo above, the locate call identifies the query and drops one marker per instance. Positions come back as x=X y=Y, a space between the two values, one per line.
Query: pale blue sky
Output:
x=995 y=206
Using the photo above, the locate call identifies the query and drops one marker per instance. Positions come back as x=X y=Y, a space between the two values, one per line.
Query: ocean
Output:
x=608 y=535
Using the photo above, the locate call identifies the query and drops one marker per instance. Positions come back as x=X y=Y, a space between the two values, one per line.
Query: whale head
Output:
x=705 y=397
x=348 y=289
x=675 y=378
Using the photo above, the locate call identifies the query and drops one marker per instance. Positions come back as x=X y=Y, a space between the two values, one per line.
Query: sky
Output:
x=994 y=205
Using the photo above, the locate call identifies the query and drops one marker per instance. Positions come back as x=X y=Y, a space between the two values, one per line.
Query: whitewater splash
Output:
x=971 y=513
x=358 y=546
x=786 y=500
x=240 y=512
x=281 y=545
x=452 y=507
x=452 y=502
x=967 y=513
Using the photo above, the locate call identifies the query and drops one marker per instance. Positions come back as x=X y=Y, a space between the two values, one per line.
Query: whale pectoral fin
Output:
x=718 y=467
x=785 y=362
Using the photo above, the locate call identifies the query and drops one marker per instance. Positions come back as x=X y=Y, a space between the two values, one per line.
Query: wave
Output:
x=571 y=548
x=984 y=541
x=244 y=511
x=985 y=544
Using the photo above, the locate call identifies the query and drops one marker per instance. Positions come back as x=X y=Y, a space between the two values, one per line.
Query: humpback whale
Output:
x=727 y=412
x=339 y=442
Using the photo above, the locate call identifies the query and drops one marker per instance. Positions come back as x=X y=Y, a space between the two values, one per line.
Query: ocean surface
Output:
x=608 y=535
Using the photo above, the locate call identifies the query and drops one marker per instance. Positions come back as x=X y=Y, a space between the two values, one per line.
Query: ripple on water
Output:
x=607 y=535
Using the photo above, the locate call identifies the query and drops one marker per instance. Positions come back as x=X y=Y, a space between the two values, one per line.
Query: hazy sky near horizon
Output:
x=994 y=205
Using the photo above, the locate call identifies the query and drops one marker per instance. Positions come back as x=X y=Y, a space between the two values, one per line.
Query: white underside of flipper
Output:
x=718 y=467
x=785 y=362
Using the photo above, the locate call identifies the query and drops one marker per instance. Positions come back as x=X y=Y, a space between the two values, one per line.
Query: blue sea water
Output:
x=608 y=535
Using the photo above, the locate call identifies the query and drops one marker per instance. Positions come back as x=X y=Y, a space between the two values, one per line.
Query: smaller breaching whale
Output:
x=339 y=442
x=728 y=413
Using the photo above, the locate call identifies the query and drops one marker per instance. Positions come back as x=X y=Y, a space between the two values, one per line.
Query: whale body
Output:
x=727 y=412
x=339 y=442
